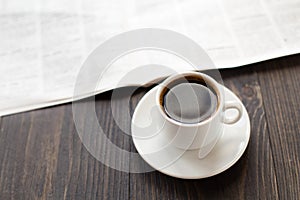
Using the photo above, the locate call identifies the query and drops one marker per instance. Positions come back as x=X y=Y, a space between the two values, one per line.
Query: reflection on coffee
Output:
x=190 y=102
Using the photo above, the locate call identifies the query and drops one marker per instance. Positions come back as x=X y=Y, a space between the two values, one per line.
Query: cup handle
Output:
x=232 y=105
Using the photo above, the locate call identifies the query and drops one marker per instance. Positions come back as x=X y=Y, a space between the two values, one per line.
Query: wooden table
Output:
x=42 y=157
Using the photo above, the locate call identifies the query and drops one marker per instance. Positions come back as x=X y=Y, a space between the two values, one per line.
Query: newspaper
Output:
x=43 y=43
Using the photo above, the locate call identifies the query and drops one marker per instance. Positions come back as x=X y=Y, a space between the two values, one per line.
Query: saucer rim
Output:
x=218 y=171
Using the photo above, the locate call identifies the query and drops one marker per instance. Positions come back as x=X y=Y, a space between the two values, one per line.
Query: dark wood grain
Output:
x=42 y=156
x=281 y=89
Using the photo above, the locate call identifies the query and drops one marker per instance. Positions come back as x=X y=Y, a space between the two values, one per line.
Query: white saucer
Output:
x=156 y=150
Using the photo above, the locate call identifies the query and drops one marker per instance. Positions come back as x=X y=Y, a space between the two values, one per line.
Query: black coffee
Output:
x=190 y=102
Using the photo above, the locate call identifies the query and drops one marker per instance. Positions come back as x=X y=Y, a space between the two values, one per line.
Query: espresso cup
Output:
x=189 y=125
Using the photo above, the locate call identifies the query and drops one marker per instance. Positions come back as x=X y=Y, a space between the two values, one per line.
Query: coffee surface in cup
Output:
x=190 y=102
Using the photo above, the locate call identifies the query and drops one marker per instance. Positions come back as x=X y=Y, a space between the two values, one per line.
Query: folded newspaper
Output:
x=43 y=43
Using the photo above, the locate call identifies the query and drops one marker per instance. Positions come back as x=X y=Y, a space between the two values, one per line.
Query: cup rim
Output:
x=208 y=80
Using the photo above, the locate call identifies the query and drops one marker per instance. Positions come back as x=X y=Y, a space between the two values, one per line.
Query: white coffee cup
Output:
x=204 y=134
